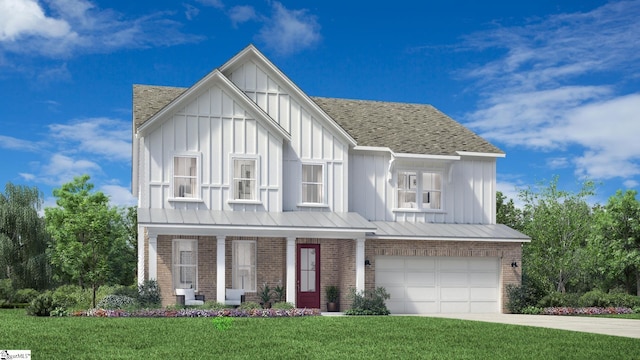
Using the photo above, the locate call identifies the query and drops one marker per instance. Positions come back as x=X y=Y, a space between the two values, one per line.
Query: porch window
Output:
x=312 y=183
x=419 y=190
x=244 y=265
x=244 y=179
x=185 y=176
x=185 y=264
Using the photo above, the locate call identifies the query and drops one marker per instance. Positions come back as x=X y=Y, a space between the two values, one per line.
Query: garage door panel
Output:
x=421 y=307
x=456 y=264
x=482 y=264
x=420 y=263
x=421 y=278
x=454 y=293
x=389 y=277
x=389 y=262
x=453 y=279
x=396 y=292
x=483 y=279
x=483 y=294
x=483 y=307
x=421 y=293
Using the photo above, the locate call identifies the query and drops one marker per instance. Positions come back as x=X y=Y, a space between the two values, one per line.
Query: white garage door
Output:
x=421 y=285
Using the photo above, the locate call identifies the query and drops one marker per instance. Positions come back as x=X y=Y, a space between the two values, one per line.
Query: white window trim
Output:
x=232 y=199
x=175 y=267
x=233 y=264
x=419 y=191
x=198 y=192
x=324 y=202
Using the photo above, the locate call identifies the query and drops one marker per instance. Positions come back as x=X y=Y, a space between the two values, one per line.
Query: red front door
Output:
x=308 y=275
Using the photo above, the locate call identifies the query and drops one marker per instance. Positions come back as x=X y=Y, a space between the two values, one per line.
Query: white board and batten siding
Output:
x=215 y=128
x=423 y=285
x=468 y=193
x=312 y=139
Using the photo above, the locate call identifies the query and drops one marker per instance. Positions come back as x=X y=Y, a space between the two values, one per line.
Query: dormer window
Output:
x=185 y=177
x=419 y=190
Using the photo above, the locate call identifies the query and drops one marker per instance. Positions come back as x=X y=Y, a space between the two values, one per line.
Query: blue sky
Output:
x=555 y=84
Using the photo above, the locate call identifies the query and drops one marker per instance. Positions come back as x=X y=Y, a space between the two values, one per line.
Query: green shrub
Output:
x=636 y=310
x=117 y=302
x=130 y=291
x=213 y=305
x=249 y=305
x=42 y=305
x=72 y=297
x=368 y=302
x=6 y=290
x=531 y=310
x=595 y=297
x=521 y=297
x=283 y=306
x=149 y=294
x=25 y=295
x=558 y=299
x=622 y=299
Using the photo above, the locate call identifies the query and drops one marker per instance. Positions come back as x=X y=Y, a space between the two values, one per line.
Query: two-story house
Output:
x=243 y=180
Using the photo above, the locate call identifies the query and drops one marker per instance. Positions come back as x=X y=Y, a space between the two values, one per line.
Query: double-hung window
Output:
x=185 y=264
x=312 y=184
x=244 y=265
x=185 y=176
x=419 y=190
x=244 y=179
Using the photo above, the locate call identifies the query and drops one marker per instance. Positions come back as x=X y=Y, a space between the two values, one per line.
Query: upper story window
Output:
x=185 y=176
x=419 y=190
x=313 y=183
x=244 y=179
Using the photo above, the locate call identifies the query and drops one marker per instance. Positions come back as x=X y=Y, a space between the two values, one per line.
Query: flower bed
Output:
x=586 y=311
x=266 y=313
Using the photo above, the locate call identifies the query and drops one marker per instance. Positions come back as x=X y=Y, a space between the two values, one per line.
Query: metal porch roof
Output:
x=453 y=232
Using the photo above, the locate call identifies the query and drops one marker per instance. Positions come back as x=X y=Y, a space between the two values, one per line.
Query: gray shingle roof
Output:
x=404 y=128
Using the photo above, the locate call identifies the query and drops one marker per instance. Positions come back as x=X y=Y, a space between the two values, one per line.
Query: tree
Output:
x=23 y=239
x=507 y=213
x=615 y=244
x=86 y=231
x=558 y=222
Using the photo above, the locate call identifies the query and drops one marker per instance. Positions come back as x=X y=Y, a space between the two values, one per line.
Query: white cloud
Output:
x=67 y=27
x=190 y=11
x=630 y=184
x=560 y=85
x=289 y=31
x=27 y=176
x=118 y=195
x=242 y=14
x=11 y=143
x=108 y=138
x=62 y=169
x=213 y=3
x=25 y=17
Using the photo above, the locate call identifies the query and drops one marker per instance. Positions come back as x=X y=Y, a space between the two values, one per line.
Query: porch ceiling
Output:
x=291 y=223
x=452 y=232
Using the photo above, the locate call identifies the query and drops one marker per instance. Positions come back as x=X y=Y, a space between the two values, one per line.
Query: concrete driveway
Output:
x=606 y=326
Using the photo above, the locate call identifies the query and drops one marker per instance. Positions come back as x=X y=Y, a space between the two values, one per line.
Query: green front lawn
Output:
x=404 y=337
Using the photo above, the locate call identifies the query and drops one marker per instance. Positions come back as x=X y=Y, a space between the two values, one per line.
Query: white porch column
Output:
x=140 y=254
x=291 y=270
x=360 y=264
x=153 y=257
x=220 y=269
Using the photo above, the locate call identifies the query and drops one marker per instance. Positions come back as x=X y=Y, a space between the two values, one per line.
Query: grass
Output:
x=635 y=316
x=299 y=338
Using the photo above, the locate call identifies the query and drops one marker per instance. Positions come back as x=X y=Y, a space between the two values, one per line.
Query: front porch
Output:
x=277 y=240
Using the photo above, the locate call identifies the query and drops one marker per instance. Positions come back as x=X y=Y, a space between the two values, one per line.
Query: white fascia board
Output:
x=479 y=154
x=134 y=164
x=373 y=148
x=427 y=157
x=215 y=77
x=252 y=52
x=427 y=238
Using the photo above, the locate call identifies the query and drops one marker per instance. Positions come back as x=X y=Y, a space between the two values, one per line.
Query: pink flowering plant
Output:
x=264 y=313
x=586 y=310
